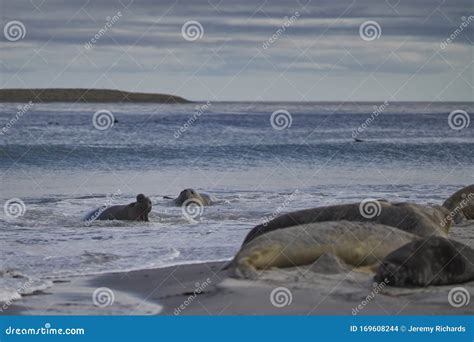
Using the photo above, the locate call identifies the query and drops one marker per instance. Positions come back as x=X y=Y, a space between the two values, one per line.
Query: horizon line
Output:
x=229 y=101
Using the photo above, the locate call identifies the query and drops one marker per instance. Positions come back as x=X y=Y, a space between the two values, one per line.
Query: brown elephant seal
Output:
x=461 y=204
x=356 y=243
x=191 y=195
x=430 y=261
x=136 y=211
x=413 y=218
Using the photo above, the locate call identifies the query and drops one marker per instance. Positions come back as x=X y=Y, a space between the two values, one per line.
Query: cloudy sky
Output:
x=317 y=53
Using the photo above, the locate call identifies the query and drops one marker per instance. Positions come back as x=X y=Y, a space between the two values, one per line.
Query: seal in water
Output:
x=191 y=195
x=136 y=211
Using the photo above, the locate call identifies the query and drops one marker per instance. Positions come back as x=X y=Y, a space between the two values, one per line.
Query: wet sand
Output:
x=324 y=288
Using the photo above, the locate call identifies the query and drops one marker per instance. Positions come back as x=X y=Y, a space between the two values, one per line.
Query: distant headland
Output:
x=85 y=96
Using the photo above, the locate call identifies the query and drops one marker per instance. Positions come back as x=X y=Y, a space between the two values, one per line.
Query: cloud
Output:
x=324 y=40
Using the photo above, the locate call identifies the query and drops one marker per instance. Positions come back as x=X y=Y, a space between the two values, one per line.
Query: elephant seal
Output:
x=461 y=204
x=430 y=261
x=191 y=195
x=136 y=211
x=413 y=218
x=356 y=243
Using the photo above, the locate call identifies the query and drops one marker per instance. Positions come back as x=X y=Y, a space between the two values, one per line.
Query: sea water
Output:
x=61 y=164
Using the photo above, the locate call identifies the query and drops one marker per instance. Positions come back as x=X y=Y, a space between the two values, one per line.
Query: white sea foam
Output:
x=14 y=284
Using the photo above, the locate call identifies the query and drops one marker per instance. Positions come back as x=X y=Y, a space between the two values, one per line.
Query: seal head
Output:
x=191 y=194
x=143 y=207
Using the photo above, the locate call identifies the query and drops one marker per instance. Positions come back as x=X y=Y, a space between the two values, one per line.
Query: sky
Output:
x=258 y=50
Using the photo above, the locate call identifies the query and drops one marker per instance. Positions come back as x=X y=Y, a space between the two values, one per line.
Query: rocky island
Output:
x=85 y=95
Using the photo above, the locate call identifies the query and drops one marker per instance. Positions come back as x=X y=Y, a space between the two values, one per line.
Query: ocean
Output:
x=60 y=161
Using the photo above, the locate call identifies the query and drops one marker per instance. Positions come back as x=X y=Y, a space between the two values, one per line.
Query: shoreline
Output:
x=326 y=287
x=172 y=291
x=60 y=278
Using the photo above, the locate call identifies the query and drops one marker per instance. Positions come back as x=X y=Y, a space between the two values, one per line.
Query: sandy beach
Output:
x=326 y=287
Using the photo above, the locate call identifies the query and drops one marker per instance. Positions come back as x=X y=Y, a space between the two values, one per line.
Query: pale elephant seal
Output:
x=413 y=218
x=356 y=243
x=136 y=211
x=461 y=204
x=188 y=195
x=429 y=261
